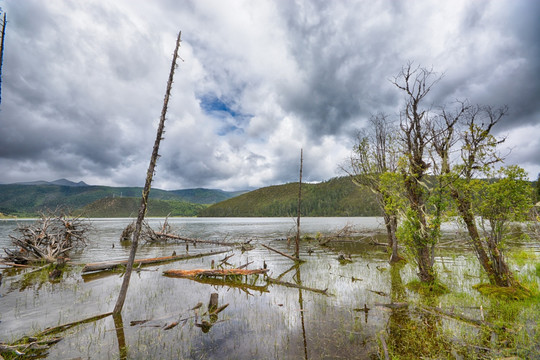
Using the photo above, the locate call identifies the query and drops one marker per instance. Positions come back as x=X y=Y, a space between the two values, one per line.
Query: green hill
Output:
x=32 y=198
x=129 y=207
x=336 y=197
x=206 y=196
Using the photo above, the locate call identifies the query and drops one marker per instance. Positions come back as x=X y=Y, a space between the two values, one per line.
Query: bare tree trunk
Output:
x=391 y=227
x=2 y=53
x=146 y=191
x=297 y=248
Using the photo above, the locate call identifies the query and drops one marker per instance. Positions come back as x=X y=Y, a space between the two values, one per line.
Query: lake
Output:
x=354 y=319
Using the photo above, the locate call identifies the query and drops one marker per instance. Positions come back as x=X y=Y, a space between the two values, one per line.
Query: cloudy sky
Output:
x=83 y=83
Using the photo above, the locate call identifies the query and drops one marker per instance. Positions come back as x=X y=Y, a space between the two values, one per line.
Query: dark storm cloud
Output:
x=83 y=83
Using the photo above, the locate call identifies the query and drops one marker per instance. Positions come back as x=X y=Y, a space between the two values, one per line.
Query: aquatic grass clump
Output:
x=522 y=257
x=538 y=269
x=434 y=288
x=517 y=292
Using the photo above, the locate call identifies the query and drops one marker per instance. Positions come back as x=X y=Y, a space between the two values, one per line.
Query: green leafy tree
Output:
x=373 y=164
x=505 y=200
x=474 y=197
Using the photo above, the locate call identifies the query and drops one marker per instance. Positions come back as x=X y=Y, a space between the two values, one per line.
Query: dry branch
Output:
x=283 y=254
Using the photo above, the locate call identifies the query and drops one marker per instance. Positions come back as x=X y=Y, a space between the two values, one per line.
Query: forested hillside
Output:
x=128 y=207
x=336 y=197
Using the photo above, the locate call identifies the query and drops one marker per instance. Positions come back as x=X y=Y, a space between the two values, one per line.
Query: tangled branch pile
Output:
x=147 y=233
x=50 y=237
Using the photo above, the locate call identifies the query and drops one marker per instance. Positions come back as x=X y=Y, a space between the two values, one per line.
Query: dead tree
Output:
x=48 y=239
x=146 y=191
x=2 y=39
x=297 y=242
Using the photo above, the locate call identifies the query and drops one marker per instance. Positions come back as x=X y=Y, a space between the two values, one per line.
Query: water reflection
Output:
x=120 y=336
x=298 y=280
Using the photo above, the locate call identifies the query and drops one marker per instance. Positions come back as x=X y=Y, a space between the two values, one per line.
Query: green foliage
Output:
x=335 y=197
x=509 y=198
x=129 y=207
x=391 y=188
x=506 y=199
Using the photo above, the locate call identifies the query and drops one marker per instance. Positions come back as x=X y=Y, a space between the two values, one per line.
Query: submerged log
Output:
x=283 y=254
x=241 y=285
x=213 y=272
x=296 y=286
x=455 y=316
x=110 y=265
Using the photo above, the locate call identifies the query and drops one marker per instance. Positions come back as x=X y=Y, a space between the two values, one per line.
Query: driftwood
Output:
x=245 y=287
x=296 y=286
x=110 y=265
x=213 y=272
x=191 y=240
x=283 y=254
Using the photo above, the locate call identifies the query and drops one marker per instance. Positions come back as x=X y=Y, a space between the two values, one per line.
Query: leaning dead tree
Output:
x=148 y=183
x=2 y=38
x=49 y=238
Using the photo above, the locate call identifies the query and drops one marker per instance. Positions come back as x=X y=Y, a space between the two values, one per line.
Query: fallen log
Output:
x=296 y=286
x=110 y=265
x=229 y=283
x=460 y=317
x=283 y=254
x=212 y=272
x=64 y=327
x=186 y=239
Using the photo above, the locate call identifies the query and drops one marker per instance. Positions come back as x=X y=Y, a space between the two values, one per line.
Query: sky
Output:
x=83 y=84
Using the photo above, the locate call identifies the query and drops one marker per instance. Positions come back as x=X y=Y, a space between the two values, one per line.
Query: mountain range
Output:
x=31 y=198
x=335 y=197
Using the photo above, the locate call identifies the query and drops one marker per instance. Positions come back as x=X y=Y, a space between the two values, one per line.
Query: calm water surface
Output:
x=261 y=321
